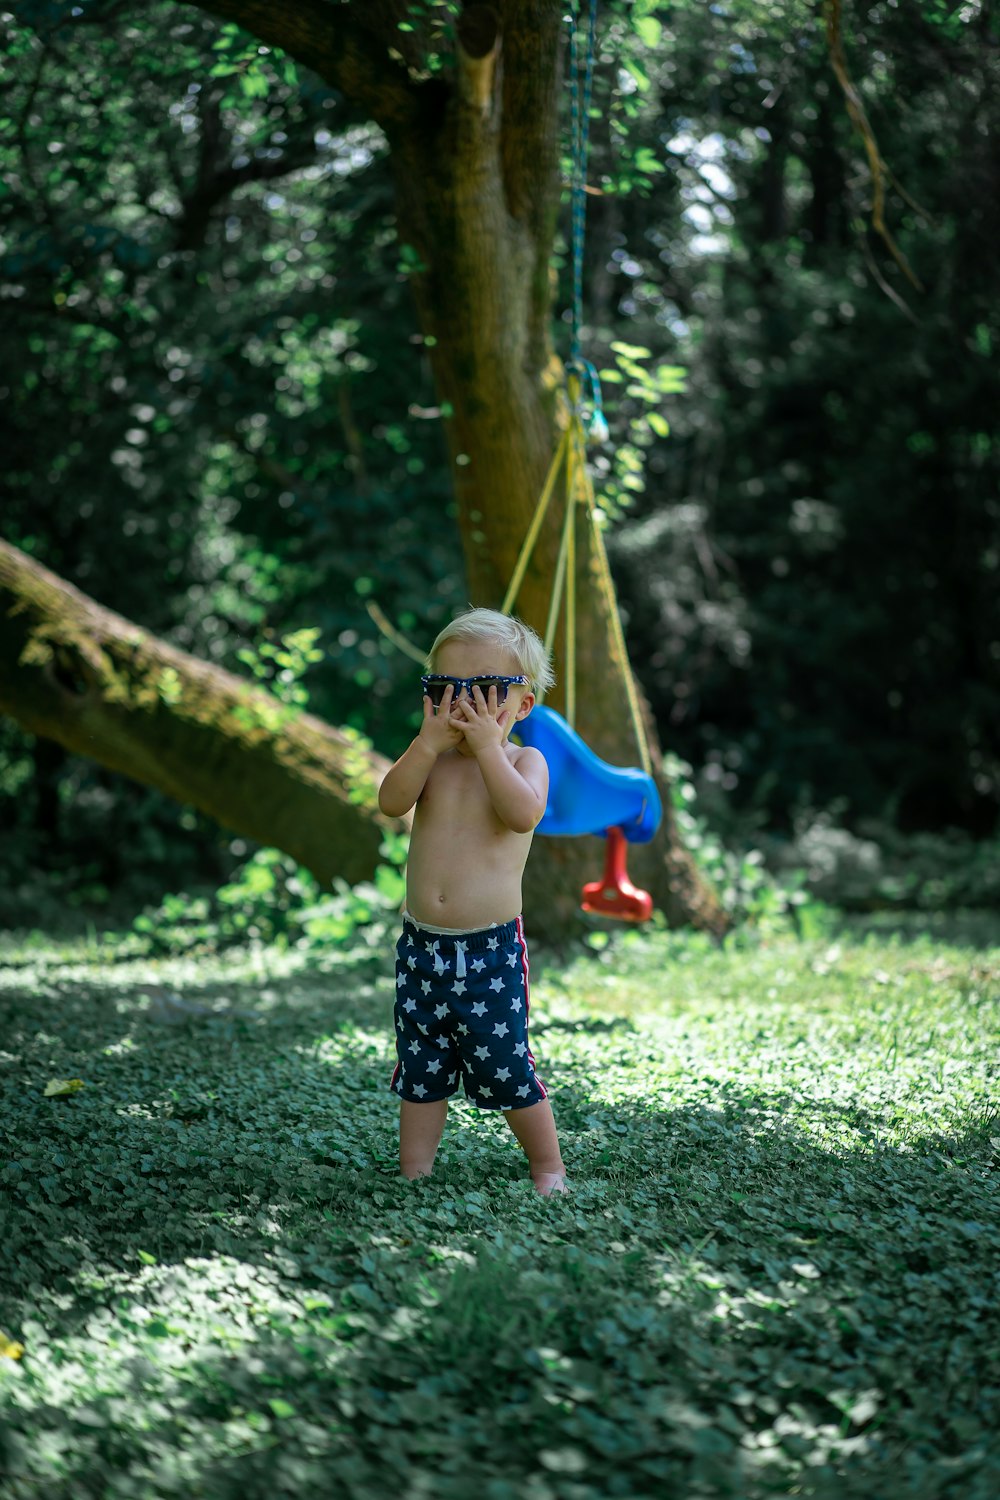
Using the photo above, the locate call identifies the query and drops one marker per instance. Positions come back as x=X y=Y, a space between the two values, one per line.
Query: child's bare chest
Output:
x=456 y=791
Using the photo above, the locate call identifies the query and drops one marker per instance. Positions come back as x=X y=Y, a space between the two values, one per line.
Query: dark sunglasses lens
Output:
x=485 y=683
x=435 y=691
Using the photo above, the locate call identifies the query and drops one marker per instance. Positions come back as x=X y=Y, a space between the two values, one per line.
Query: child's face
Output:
x=483 y=659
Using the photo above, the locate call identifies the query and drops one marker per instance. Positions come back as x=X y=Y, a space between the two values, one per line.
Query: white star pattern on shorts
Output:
x=452 y=1038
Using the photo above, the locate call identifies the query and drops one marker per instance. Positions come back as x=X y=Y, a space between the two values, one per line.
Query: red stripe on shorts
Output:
x=524 y=970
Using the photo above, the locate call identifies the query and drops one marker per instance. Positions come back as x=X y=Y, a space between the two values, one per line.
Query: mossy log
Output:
x=101 y=686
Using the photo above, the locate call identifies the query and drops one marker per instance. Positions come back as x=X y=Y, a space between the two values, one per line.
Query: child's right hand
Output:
x=439 y=732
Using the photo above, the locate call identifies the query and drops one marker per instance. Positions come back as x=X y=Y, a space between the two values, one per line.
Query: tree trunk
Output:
x=475 y=155
x=478 y=194
x=100 y=686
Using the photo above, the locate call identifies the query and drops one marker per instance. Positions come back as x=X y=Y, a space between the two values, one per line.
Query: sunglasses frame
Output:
x=495 y=679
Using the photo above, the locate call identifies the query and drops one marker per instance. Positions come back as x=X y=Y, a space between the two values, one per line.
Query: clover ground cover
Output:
x=776 y=1273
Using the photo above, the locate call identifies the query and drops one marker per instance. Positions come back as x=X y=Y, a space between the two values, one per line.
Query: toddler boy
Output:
x=461 y=1006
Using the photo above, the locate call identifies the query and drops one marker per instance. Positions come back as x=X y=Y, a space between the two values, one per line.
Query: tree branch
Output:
x=102 y=686
x=334 y=43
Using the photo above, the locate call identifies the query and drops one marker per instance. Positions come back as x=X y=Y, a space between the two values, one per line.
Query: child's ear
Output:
x=527 y=704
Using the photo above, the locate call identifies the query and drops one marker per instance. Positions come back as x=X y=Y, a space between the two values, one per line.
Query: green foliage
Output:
x=280 y=665
x=769 y=882
x=808 y=560
x=272 y=900
x=773 y=1275
x=224 y=477
x=635 y=390
x=878 y=867
x=220 y=418
x=758 y=900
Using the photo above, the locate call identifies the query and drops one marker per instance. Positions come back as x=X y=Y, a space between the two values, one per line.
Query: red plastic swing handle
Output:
x=615 y=895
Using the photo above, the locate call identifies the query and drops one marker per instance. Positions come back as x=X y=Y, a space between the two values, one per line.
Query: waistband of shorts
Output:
x=475 y=940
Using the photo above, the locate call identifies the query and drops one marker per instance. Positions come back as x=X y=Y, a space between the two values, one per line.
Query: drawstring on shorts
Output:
x=440 y=965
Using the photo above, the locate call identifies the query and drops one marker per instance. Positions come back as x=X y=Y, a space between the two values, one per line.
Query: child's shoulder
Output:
x=528 y=760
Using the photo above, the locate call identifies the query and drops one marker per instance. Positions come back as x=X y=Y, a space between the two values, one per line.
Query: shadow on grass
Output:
x=721 y=1307
x=585 y=1026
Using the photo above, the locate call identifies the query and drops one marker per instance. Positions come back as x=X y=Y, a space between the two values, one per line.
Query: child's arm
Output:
x=403 y=783
x=518 y=791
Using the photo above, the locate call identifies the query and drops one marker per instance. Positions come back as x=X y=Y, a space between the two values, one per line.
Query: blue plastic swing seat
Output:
x=586 y=794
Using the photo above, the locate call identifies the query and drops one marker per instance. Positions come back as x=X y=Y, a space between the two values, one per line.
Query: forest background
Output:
x=219 y=419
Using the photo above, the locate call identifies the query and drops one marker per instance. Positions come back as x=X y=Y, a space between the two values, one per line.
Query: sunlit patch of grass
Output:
x=775 y=1273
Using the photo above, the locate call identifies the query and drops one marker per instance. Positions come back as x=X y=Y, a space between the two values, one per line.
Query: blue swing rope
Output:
x=580 y=95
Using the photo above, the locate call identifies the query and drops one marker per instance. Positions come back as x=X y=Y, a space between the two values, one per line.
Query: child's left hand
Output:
x=479 y=720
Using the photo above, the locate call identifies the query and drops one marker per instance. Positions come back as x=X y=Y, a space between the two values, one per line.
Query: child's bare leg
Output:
x=536 y=1132
x=420 y=1130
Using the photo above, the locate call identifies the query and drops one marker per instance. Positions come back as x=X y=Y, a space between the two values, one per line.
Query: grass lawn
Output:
x=777 y=1274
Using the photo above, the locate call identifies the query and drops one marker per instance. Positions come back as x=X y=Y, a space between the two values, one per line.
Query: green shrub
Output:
x=880 y=868
x=273 y=900
x=753 y=894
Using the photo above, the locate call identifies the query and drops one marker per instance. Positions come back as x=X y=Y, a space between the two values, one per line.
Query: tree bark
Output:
x=99 y=685
x=475 y=156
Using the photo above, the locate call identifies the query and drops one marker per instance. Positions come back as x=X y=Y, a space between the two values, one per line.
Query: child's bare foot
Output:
x=550 y=1182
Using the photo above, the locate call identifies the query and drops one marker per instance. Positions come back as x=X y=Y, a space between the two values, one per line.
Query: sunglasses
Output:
x=434 y=686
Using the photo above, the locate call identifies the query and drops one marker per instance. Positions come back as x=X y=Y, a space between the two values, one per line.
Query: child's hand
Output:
x=479 y=721
x=439 y=731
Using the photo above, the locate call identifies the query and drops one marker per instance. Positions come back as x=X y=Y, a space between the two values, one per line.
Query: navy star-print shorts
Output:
x=462 y=1012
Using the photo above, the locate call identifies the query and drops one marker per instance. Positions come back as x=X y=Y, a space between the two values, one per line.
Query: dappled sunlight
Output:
x=778 y=1232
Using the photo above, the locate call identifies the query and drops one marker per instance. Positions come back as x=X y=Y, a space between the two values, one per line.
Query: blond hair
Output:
x=505 y=631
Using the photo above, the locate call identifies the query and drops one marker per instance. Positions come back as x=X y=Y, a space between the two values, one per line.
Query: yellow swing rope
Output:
x=571 y=449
